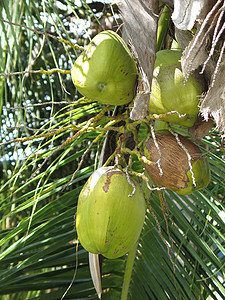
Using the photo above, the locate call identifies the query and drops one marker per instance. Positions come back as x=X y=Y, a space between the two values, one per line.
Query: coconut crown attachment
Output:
x=105 y=71
x=109 y=217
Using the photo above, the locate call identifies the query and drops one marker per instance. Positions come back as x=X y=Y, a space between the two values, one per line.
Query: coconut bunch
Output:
x=111 y=206
x=106 y=71
x=174 y=161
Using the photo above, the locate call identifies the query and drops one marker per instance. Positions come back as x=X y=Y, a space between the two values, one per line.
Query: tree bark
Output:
x=140 y=23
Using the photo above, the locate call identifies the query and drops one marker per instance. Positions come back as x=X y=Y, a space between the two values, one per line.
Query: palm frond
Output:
x=49 y=147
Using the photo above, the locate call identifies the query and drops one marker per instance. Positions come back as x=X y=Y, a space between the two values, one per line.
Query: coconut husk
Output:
x=174 y=160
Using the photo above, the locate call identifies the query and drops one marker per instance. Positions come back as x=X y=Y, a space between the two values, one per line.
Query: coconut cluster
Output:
x=175 y=162
x=111 y=208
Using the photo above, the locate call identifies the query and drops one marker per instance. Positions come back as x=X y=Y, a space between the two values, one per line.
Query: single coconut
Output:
x=175 y=164
x=109 y=217
x=105 y=71
x=170 y=92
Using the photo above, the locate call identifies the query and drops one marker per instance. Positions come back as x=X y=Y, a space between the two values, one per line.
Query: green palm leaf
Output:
x=44 y=165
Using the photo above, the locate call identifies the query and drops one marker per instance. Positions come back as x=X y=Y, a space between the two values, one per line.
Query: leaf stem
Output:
x=128 y=271
x=60 y=40
x=41 y=71
x=163 y=25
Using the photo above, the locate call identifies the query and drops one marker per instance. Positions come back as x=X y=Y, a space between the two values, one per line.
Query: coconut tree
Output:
x=53 y=138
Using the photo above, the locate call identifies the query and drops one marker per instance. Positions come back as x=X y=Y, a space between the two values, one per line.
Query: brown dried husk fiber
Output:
x=174 y=160
x=212 y=62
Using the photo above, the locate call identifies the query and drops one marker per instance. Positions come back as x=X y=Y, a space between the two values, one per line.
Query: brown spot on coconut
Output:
x=175 y=165
x=108 y=180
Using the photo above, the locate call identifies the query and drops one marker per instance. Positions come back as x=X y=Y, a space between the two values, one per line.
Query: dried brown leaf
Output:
x=186 y=12
x=214 y=102
x=140 y=22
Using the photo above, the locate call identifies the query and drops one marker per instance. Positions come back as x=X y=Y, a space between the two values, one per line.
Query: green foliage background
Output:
x=39 y=248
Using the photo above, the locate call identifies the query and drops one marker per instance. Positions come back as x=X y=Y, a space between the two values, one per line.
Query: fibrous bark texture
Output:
x=140 y=23
x=206 y=50
x=214 y=102
x=187 y=11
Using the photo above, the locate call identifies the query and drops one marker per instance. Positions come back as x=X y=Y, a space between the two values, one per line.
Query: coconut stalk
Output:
x=128 y=271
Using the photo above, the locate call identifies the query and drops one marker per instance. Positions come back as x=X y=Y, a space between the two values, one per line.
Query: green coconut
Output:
x=176 y=172
x=169 y=93
x=109 y=220
x=105 y=71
